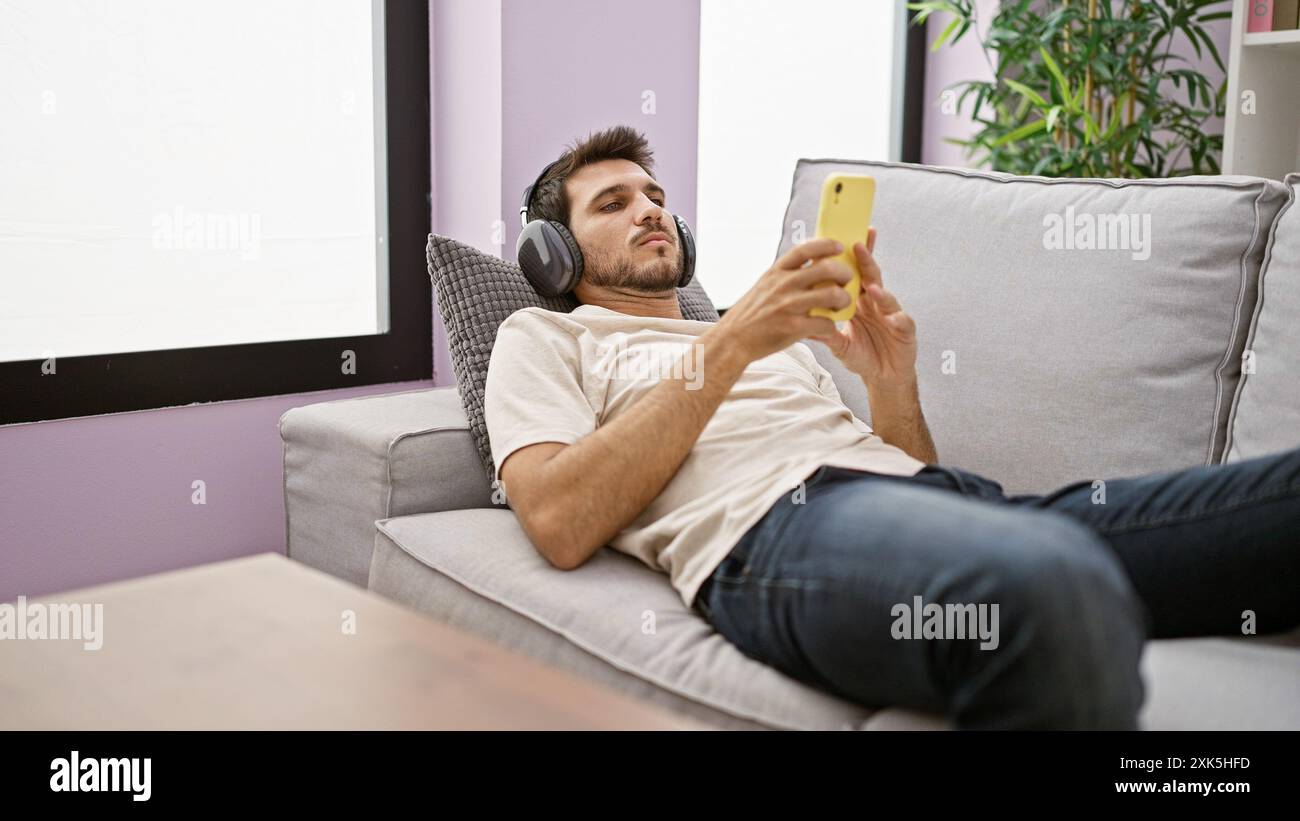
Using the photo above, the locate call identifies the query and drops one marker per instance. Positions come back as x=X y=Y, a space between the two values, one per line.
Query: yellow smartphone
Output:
x=845 y=215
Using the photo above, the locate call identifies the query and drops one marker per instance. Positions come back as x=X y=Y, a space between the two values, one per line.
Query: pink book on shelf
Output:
x=1261 y=15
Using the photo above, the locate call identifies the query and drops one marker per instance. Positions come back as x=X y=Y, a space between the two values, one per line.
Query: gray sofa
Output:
x=1042 y=361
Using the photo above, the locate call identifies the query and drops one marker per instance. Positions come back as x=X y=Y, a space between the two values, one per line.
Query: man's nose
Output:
x=651 y=211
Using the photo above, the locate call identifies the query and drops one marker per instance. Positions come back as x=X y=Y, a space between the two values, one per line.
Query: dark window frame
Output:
x=145 y=380
x=914 y=102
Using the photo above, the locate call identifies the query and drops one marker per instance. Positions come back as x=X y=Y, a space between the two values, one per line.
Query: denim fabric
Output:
x=1081 y=576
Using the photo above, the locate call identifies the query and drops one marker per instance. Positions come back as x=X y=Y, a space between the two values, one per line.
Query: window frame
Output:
x=144 y=380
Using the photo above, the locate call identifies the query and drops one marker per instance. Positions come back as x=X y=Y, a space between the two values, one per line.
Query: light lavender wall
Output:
x=575 y=66
x=101 y=498
x=952 y=63
x=465 y=91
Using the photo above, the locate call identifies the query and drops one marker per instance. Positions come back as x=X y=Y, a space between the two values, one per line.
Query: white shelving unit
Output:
x=1267 y=142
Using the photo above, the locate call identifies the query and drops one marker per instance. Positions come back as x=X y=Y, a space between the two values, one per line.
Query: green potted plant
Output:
x=1077 y=86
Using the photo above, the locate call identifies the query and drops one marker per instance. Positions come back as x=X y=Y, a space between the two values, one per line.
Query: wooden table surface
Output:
x=259 y=643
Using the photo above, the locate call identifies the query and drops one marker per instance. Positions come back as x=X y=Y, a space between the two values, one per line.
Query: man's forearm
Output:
x=603 y=481
x=896 y=417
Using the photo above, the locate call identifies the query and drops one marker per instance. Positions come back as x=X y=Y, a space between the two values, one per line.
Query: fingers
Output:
x=821 y=329
x=873 y=290
x=812 y=249
x=886 y=302
x=824 y=270
x=827 y=296
x=887 y=309
x=867 y=261
x=903 y=323
x=835 y=341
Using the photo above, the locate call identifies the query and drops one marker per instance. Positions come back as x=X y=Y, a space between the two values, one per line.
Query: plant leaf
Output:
x=956 y=21
x=1053 y=114
x=1064 y=86
x=1020 y=133
x=1025 y=91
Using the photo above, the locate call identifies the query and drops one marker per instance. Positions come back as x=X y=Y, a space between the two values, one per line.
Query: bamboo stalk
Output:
x=1089 y=103
x=1065 y=49
x=1132 y=68
x=1114 y=153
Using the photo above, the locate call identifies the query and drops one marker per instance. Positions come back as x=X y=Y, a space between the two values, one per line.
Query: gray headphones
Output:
x=550 y=256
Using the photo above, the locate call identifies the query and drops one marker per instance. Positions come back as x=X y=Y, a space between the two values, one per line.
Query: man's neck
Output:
x=634 y=303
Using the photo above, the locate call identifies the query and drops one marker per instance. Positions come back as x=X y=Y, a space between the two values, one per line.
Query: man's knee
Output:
x=1071 y=609
x=1063 y=575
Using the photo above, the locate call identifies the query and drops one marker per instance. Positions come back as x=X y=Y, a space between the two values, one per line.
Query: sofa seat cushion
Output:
x=618 y=622
x=613 y=608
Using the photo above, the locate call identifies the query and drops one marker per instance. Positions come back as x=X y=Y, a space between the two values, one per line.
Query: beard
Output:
x=620 y=271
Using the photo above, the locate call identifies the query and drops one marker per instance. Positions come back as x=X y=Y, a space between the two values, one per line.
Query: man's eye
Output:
x=605 y=207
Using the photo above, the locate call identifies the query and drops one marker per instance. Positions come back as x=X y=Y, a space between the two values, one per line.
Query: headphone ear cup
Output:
x=687 y=240
x=549 y=257
x=575 y=256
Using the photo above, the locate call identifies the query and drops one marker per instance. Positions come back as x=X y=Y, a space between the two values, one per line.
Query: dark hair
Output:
x=621 y=142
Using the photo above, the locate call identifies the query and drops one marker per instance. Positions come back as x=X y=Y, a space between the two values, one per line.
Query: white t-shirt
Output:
x=556 y=377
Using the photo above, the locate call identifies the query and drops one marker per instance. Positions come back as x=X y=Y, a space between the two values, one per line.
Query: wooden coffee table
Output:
x=260 y=643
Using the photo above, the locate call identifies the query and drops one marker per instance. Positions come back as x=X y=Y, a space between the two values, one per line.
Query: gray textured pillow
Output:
x=1266 y=416
x=476 y=291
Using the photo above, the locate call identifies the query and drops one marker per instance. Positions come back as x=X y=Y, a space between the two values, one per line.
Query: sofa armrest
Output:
x=350 y=462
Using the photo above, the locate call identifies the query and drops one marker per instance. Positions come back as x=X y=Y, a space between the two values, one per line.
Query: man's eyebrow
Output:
x=622 y=187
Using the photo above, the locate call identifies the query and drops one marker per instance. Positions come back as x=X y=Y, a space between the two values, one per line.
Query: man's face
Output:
x=615 y=209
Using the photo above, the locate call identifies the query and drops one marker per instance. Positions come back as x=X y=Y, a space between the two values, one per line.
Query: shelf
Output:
x=1287 y=37
x=1261 y=138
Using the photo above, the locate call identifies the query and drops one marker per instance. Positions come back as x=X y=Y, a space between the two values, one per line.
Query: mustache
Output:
x=661 y=230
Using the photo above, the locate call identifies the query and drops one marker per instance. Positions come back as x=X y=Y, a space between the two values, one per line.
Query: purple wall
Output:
x=575 y=66
x=465 y=47
x=952 y=63
x=100 y=498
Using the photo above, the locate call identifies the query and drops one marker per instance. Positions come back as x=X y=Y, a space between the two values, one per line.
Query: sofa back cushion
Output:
x=1266 y=417
x=1068 y=329
x=475 y=292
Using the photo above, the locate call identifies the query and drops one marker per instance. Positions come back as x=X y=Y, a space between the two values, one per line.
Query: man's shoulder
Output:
x=531 y=330
x=542 y=321
x=535 y=314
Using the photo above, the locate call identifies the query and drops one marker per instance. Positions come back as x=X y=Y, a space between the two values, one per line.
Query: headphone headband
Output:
x=528 y=193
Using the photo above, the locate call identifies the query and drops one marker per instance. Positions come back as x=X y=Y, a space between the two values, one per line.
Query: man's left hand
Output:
x=879 y=344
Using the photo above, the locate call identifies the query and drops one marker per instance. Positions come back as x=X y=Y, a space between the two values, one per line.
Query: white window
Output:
x=177 y=175
x=780 y=81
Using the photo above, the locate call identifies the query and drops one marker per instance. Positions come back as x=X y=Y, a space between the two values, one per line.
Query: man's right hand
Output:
x=773 y=314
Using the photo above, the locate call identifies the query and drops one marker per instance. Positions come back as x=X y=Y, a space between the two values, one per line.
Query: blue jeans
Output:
x=824 y=587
